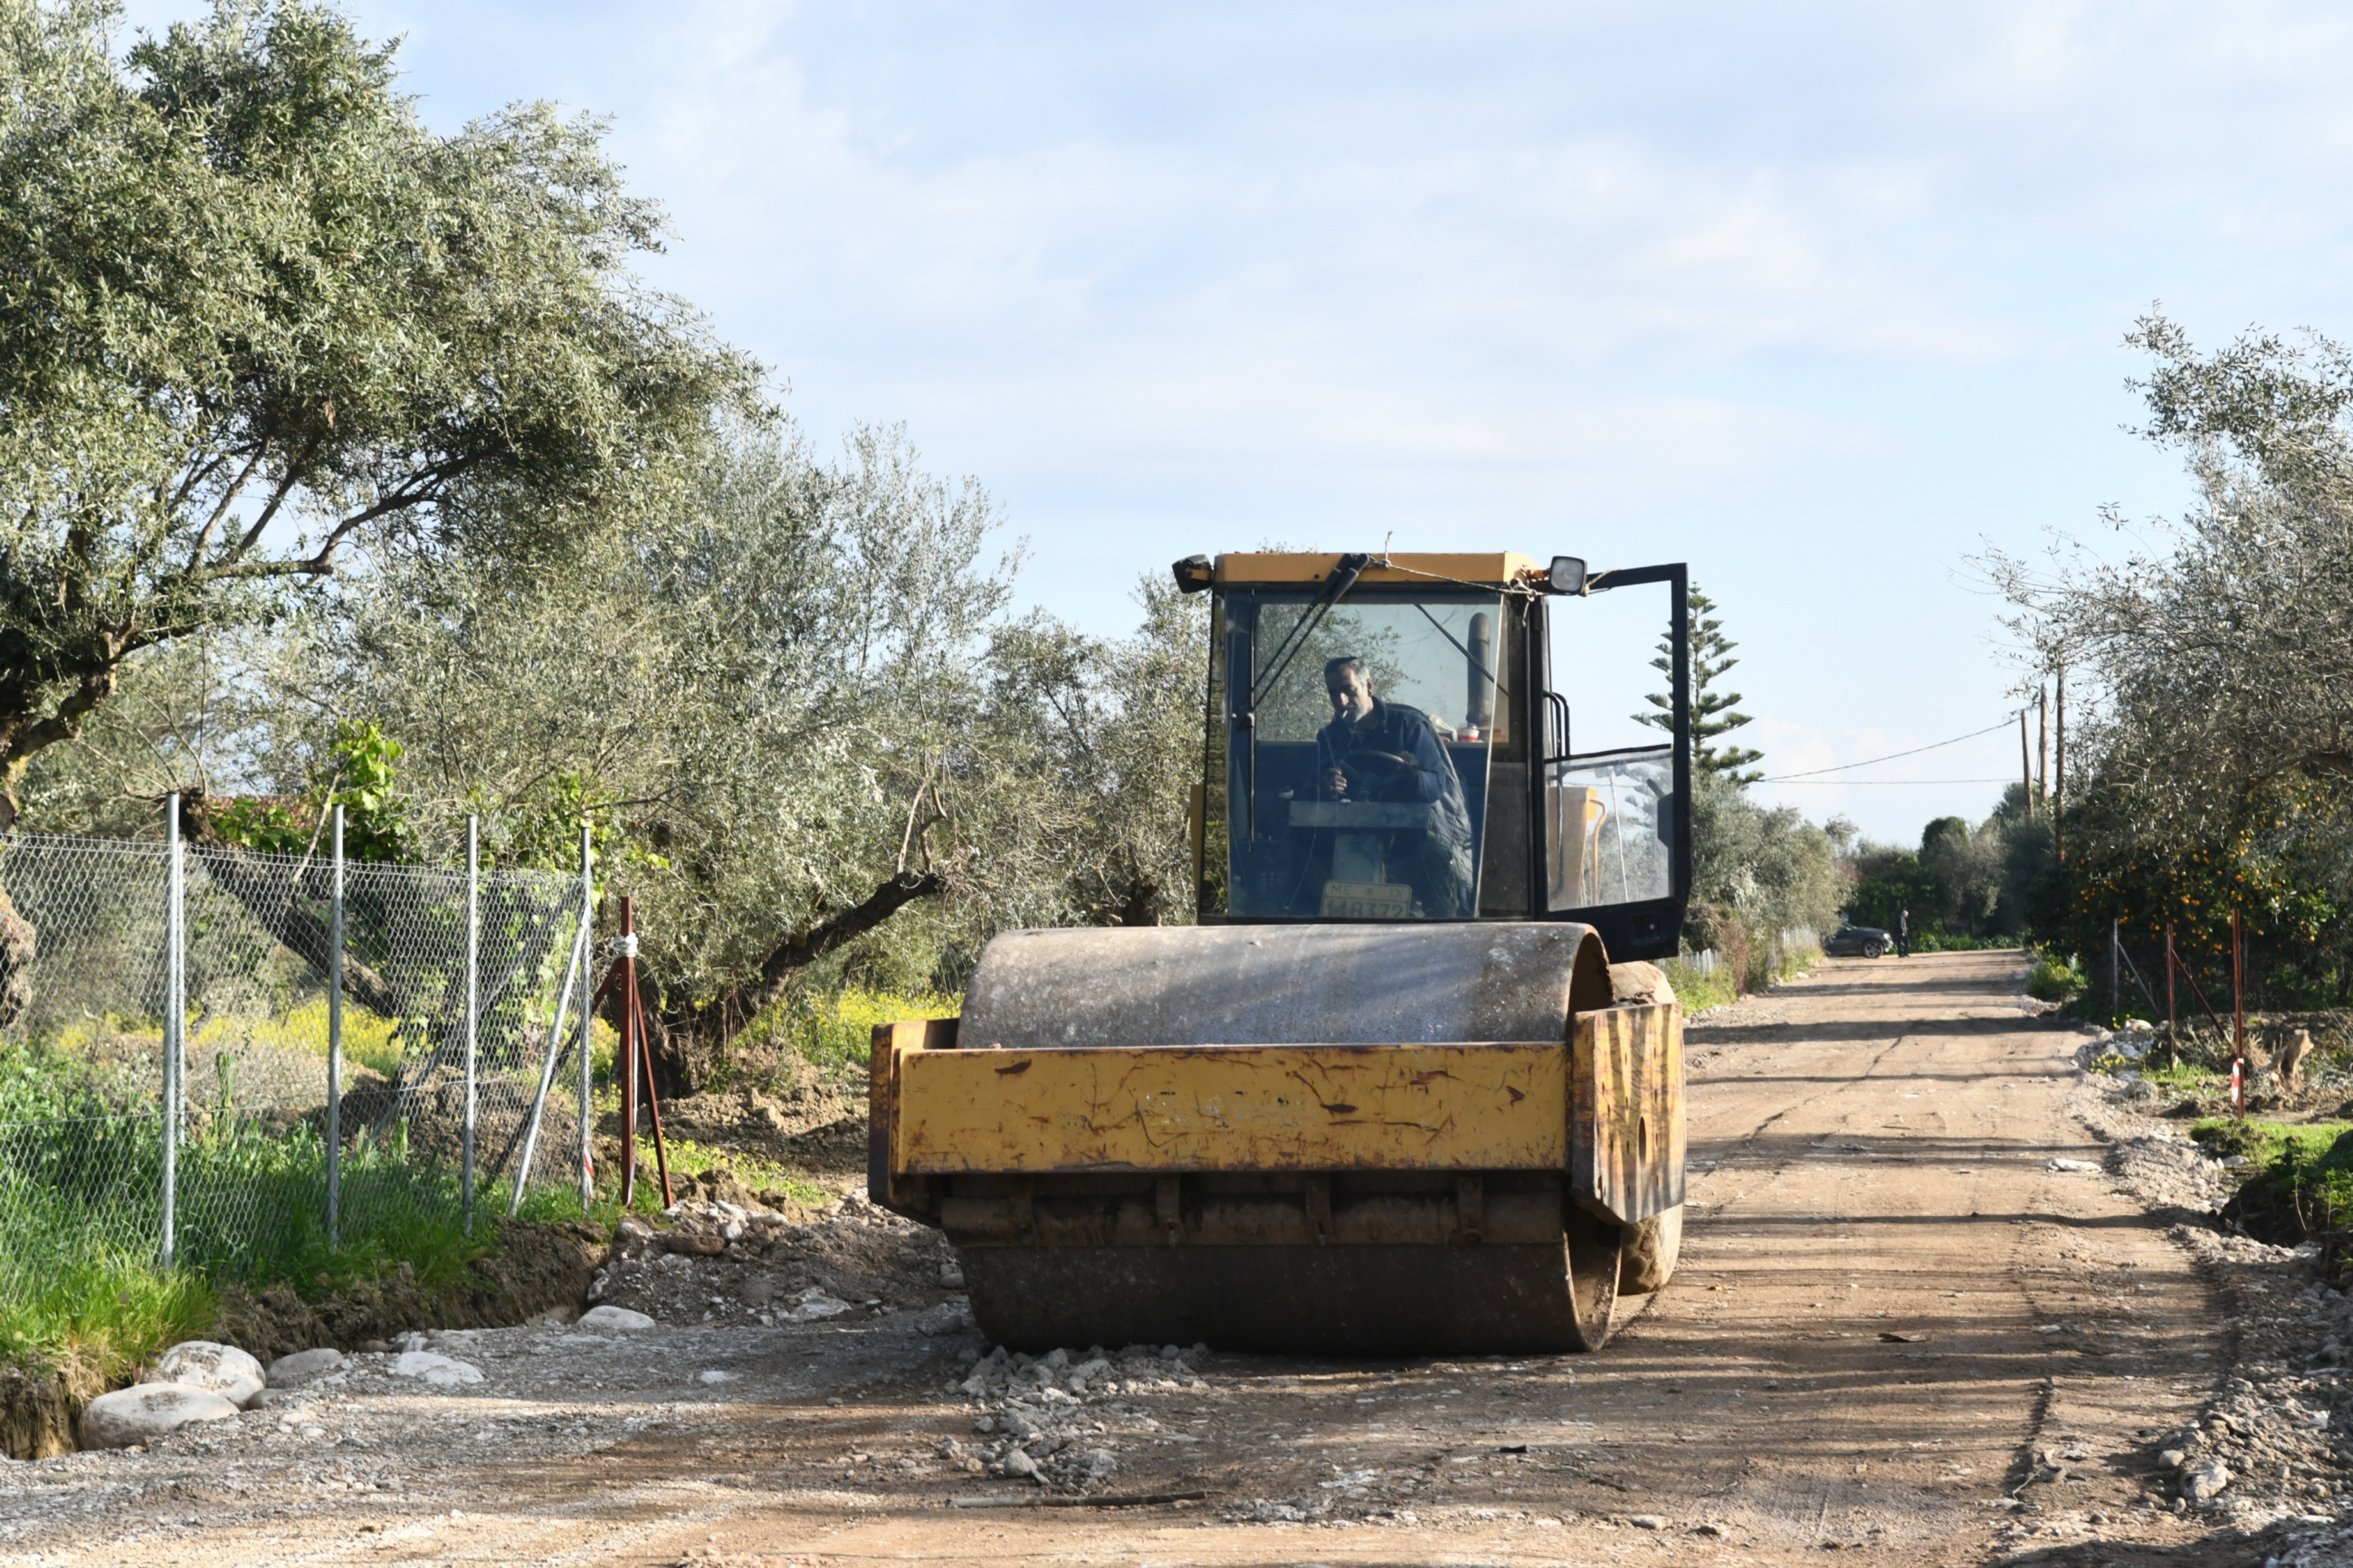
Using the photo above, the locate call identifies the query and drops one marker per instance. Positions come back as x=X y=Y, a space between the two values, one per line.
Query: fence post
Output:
x=335 y=1044
x=587 y=1034
x=175 y=1015
x=473 y=950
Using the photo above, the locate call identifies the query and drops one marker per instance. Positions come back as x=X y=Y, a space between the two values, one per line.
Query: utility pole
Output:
x=2025 y=767
x=2043 y=747
x=2059 y=782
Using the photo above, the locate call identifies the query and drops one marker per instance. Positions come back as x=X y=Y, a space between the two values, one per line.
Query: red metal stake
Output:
x=653 y=1098
x=626 y=968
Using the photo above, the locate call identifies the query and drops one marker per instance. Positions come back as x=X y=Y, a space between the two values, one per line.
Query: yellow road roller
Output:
x=1408 y=1087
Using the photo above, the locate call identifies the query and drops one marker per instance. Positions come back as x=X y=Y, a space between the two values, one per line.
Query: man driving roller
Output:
x=1379 y=751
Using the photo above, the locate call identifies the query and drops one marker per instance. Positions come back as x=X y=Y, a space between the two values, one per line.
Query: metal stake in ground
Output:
x=2172 y=1028
x=175 y=1017
x=335 y=1042
x=2238 y=1011
x=578 y=961
x=473 y=1006
x=636 y=1005
x=624 y=967
x=587 y=1068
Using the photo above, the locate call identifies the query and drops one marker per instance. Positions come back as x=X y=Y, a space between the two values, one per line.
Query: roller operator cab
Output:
x=1400 y=1091
x=1396 y=739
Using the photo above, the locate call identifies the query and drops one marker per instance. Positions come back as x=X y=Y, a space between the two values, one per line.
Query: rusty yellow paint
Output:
x=1626 y=1137
x=1497 y=569
x=1232 y=1108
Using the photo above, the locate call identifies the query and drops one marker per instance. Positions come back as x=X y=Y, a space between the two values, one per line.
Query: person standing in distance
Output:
x=1903 y=933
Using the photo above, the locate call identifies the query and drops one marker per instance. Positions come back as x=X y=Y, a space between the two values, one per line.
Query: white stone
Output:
x=715 y=1376
x=437 y=1370
x=613 y=1317
x=2173 y=1459
x=145 y=1411
x=223 y=1369
x=2204 y=1480
x=293 y=1371
x=814 y=1303
x=1647 y=1521
x=2074 y=1165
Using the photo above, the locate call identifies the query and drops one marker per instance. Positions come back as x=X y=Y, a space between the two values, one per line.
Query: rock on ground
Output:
x=720 y=1262
x=294 y=1371
x=611 y=1317
x=224 y=1370
x=145 y=1411
x=440 y=1371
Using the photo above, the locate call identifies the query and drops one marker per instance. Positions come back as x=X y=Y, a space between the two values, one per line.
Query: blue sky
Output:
x=1822 y=298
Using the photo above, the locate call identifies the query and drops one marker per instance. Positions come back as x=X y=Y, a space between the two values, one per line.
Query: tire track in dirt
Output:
x=1890 y=1305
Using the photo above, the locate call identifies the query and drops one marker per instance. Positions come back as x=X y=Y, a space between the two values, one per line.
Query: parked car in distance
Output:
x=1859 y=942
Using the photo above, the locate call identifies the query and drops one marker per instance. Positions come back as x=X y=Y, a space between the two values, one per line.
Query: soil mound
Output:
x=718 y=1261
x=538 y=1268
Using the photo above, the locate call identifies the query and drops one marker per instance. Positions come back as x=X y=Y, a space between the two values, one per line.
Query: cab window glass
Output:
x=1356 y=740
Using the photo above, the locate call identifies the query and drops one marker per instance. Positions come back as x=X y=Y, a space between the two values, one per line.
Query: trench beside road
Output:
x=1890 y=1302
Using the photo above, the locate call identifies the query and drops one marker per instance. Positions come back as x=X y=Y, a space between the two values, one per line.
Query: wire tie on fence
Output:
x=625 y=946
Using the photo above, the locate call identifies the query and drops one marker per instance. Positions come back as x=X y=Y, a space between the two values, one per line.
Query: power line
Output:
x=1891 y=756
x=1845 y=783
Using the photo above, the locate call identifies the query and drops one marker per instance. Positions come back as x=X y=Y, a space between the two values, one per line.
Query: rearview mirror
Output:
x=1567 y=577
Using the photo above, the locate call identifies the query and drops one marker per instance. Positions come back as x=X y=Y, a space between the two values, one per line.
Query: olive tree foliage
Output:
x=256 y=316
x=1096 y=747
x=756 y=698
x=2219 y=654
x=2210 y=763
x=794 y=713
x=1769 y=865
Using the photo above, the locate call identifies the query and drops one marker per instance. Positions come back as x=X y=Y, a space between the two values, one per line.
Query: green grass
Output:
x=2300 y=1186
x=1695 y=990
x=837 y=1029
x=104 y=1308
x=2180 y=1075
x=688 y=1158
x=81 y=1185
x=81 y=1217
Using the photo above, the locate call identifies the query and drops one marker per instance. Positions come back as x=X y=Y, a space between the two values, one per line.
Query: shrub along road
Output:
x=1919 y=1318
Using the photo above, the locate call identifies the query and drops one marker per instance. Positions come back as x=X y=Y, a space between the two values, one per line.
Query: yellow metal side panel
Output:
x=1626 y=1136
x=1497 y=568
x=1234 y=1108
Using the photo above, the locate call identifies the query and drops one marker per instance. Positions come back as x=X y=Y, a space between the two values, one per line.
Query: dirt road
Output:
x=1891 y=1304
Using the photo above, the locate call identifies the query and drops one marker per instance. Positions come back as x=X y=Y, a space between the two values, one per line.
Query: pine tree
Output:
x=1714 y=712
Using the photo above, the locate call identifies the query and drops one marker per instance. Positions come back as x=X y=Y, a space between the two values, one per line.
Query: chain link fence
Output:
x=183 y=1078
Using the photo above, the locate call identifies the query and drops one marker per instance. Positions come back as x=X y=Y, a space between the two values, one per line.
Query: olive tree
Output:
x=255 y=316
x=2211 y=765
